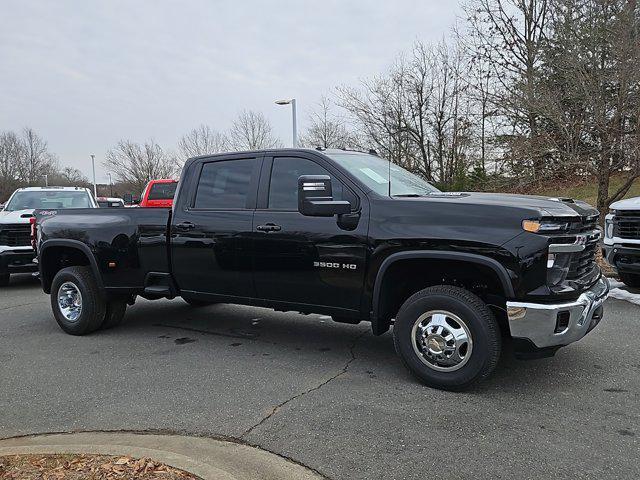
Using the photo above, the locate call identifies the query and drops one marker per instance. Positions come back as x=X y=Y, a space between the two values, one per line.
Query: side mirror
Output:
x=315 y=197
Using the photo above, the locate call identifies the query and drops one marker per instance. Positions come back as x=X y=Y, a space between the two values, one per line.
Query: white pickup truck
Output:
x=16 y=251
x=622 y=240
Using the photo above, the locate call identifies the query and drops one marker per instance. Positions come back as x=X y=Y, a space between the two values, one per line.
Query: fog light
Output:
x=551 y=259
x=562 y=322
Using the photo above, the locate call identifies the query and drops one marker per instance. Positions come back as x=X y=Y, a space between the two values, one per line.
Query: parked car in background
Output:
x=622 y=240
x=16 y=251
x=110 y=202
x=159 y=193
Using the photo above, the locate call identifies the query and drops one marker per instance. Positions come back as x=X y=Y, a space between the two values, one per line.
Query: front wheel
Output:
x=447 y=337
x=630 y=279
x=76 y=301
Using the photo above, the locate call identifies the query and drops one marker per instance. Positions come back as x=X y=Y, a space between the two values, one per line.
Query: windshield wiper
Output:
x=411 y=195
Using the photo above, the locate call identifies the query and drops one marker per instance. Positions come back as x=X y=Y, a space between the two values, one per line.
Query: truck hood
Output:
x=627 y=204
x=547 y=206
x=17 y=216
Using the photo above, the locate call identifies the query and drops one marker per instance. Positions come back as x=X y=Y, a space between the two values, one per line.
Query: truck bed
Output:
x=127 y=243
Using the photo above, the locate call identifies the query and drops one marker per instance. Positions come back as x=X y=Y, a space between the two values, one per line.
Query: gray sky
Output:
x=85 y=74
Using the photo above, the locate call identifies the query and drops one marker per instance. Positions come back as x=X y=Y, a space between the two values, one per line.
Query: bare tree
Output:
x=509 y=37
x=328 y=130
x=11 y=155
x=417 y=113
x=591 y=91
x=37 y=161
x=202 y=140
x=137 y=164
x=252 y=131
x=73 y=177
x=378 y=112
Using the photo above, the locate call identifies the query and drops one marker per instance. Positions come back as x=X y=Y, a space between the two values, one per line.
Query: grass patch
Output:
x=586 y=190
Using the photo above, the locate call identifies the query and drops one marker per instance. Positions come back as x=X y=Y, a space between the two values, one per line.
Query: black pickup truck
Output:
x=345 y=234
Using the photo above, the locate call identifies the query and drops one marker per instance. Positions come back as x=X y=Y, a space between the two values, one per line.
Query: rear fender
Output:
x=46 y=248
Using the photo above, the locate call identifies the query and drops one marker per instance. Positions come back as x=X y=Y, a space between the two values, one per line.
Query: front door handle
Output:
x=185 y=226
x=269 y=227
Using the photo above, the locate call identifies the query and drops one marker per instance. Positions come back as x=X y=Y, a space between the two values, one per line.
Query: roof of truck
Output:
x=33 y=189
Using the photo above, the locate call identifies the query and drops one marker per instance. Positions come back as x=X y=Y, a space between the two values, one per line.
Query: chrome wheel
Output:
x=441 y=340
x=70 y=301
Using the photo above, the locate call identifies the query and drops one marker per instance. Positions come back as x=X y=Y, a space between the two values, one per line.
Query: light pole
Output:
x=93 y=166
x=46 y=180
x=110 y=184
x=293 y=118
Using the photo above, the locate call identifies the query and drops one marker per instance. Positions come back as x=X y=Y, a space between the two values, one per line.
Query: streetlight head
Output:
x=283 y=102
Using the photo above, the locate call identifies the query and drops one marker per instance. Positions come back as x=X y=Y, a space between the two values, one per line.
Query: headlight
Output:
x=608 y=228
x=544 y=226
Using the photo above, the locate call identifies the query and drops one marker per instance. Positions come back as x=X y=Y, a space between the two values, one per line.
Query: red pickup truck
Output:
x=159 y=193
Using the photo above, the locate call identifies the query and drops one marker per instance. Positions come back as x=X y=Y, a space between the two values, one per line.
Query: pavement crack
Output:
x=24 y=305
x=207 y=332
x=341 y=372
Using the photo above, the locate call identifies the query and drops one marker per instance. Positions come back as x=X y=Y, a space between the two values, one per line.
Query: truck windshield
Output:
x=374 y=173
x=34 y=199
x=162 y=191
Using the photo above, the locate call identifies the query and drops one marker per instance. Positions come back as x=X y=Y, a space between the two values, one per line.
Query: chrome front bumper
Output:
x=548 y=325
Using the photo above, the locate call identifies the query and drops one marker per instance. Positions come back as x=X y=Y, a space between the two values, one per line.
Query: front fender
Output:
x=501 y=272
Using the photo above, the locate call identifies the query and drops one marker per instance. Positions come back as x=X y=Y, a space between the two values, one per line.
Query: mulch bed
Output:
x=86 y=467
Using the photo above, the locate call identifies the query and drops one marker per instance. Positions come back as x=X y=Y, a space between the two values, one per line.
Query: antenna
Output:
x=389 y=160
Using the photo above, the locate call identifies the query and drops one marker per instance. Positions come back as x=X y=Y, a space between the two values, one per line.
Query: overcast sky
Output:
x=85 y=74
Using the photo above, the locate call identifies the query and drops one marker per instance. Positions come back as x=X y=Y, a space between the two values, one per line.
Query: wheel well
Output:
x=56 y=258
x=403 y=278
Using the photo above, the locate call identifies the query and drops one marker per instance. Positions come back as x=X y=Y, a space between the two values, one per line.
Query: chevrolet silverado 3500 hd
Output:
x=345 y=234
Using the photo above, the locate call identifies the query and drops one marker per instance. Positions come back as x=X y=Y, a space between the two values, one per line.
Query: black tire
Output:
x=93 y=307
x=115 y=313
x=4 y=279
x=197 y=303
x=485 y=345
x=630 y=279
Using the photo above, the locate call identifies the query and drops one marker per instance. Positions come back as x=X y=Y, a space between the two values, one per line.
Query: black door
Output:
x=307 y=260
x=211 y=231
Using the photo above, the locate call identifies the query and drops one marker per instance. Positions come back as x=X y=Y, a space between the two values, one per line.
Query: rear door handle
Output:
x=269 y=227
x=185 y=226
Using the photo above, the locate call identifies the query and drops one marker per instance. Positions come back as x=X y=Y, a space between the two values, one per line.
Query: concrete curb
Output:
x=207 y=458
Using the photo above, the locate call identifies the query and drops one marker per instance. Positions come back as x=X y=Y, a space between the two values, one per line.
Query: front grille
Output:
x=628 y=213
x=586 y=224
x=627 y=224
x=15 y=235
x=583 y=263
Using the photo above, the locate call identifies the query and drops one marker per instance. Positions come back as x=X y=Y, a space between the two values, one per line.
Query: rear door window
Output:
x=224 y=185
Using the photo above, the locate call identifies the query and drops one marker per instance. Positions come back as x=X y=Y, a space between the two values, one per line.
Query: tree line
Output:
x=135 y=164
x=25 y=160
x=523 y=92
x=520 y=93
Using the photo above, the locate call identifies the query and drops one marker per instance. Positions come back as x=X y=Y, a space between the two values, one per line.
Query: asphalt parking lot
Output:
x=330 y=396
